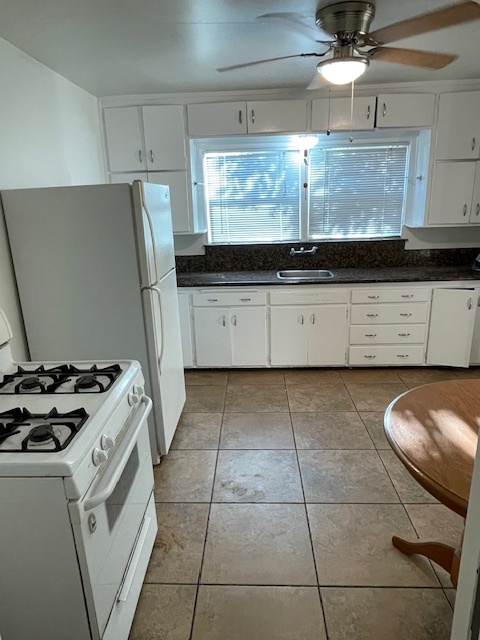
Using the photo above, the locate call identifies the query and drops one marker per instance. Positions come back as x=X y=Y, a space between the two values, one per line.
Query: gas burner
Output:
x=52 y=431
x=65 y=378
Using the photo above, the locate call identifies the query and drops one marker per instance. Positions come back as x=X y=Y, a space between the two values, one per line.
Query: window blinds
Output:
x=253 y=196
x=357 y=191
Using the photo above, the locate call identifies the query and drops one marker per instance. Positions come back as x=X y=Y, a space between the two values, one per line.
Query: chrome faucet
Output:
x=303 y=251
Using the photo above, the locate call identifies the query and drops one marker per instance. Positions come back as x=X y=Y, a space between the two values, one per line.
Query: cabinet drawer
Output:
x=221 y=299
x=389 y=313
x=388 y=334
x=390 y=295
x=399 y=355
x=324 y=296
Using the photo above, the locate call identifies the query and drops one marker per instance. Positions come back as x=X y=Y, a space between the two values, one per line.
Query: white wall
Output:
x=49 y=136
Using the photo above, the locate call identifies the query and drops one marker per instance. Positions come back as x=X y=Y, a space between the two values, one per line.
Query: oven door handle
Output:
x=106 y=492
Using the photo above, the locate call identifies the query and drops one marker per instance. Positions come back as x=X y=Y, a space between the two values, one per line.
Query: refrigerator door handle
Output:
x=162 y=337
x=152 y=233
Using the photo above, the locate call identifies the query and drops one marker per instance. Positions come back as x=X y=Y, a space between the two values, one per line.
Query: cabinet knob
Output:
x=234 y=321
x=474 y=142
x=384 y=110
x=301 y=319
x=469 y=303
x=240 y=116
x=151 y=155
x=253 y=116
x=465 y=209
x=224 y=321
x=313 y=318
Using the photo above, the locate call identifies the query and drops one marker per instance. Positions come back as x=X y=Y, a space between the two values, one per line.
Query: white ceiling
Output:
x=115 y=47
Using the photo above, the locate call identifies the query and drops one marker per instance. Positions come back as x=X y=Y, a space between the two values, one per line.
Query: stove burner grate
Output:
x=41 y=380
x=41 y=433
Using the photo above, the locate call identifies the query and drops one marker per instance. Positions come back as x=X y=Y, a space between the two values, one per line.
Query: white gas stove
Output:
x=76 y=473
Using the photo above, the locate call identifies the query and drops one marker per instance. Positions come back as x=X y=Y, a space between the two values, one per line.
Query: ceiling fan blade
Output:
x=318 y=82
x=251 y=64
x=412 y=58
x=432 y=21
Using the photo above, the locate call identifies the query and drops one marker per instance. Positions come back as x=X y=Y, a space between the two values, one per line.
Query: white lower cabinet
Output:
x=308 y=335
x=185 y=328
x=452 y=322
x=235 y=336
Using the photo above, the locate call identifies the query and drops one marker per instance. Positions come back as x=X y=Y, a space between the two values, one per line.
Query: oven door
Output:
x=109 y=520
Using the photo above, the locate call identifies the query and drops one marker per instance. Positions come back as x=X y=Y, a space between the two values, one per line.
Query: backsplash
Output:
x=330 y=255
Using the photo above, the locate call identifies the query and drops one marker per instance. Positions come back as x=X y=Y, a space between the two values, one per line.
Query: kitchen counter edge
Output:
x=340 y=276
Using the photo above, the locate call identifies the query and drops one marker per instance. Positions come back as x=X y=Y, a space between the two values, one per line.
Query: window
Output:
x=261 y=189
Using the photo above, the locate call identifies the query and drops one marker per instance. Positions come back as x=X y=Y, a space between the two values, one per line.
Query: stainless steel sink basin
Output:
x=305 y=274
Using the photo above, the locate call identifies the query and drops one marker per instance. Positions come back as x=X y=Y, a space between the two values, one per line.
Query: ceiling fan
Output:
x=354 y=45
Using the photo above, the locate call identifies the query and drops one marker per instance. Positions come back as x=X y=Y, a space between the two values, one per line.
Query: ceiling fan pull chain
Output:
x=351 y=112
x=328 y=120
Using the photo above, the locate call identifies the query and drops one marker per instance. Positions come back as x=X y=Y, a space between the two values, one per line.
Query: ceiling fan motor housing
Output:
x=346 y=20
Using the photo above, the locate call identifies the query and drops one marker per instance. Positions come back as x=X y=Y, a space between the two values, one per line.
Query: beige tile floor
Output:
x=276 y=508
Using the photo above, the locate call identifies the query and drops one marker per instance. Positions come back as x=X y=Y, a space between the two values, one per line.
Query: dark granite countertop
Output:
x=340 y=276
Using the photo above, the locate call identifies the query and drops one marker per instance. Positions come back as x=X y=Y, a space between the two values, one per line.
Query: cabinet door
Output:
x=475 y=212
x=221 y=118
x=458 y=126
x=212 y=337
x=277 y=115
x=335 y=114
x=249 y=336
x=451 y=327
x=164 y=137
x=451 y=194
x=288 y=336
x=185 y=328
x=405 y=110
x=327 y=335
x=177 y=181
x=124 y=132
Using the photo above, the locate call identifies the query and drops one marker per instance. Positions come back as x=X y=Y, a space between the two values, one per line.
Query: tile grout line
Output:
x=194 y=611
x=308 y=525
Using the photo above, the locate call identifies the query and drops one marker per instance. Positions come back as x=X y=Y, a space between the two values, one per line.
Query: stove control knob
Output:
x=138 y=389
x=107 y=442
x=99 y=456
x=133 y=399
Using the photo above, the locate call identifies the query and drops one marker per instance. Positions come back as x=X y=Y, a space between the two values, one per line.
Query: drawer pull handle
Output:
x=224 y=321
x=245 y=299
x=404 y=335
x=372 y=315
x=234 y=321
x=151 y=155
x=301 y=319
x=474 y=142
x=212 y=299
x=368 y=112
x=240 y=116
x=373 y=297
x=407 y=295
x=384 y=110
x=140 y=156
x=313 y=318
x=253 y=116
x=469 y=303
x=465 y=209
x=370 y=335
x=402 y=355
x=370 y=357
x=405 y=315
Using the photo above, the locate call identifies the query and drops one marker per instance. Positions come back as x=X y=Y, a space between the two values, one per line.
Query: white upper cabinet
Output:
x=452 y=193
x=226 y=118
x=177 y=181
x=140 y=138
x=164 y=137
x=276 y=115
x=335 y=114
x=124 y=131
x=405 y=110
x=458 y=127
x=451 y=327
x=220 y=118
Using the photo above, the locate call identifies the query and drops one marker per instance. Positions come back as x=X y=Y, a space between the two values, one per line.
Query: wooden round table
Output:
x=433 y=430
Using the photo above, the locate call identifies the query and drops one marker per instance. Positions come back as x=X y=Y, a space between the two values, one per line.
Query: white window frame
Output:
x=198 y=148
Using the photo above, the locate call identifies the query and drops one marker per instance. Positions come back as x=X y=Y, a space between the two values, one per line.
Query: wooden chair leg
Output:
x=440 y=553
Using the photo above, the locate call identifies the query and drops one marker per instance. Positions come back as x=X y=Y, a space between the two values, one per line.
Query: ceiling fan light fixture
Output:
x=343 y=70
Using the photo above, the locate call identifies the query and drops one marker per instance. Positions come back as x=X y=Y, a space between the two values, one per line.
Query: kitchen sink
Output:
x=305 y=274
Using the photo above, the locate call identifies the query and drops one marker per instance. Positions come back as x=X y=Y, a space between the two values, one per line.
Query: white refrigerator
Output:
x=95 y=270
